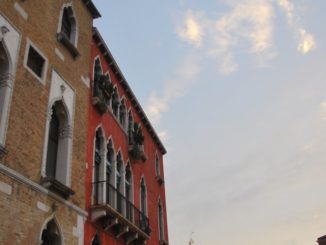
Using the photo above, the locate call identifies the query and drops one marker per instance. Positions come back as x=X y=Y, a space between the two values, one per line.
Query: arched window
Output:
x=160 y=221
x=57 y=148
x=51 y=234
x=97 y=72
x=5 y=91
x=122 y=114
x=115 y=102
x=119 y=184
x=157 y=165
x=144 y=224
x=96 y=240
x=130 y=128
x=143 y=197
x=109 y=173
x=129 y=193
x=98 y=159
x=69 y=25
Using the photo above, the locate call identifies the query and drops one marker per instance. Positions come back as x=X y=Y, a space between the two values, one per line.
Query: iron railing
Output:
x=121 y=204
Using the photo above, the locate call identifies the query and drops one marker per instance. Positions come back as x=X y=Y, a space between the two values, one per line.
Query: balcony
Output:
x=102 y=91
x=137 y=152
x=117 y=215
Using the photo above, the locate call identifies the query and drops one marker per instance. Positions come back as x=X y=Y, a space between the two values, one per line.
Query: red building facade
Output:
x=125 y=193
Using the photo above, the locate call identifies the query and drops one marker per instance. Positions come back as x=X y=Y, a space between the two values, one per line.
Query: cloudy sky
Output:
x=237 y=91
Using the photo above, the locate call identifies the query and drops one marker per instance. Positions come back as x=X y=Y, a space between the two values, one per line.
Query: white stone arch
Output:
x=74 y=22
x=61 y=91
x=46 y=222
x=9 y=45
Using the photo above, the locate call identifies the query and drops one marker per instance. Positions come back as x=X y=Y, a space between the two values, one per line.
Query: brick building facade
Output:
x=125 y=195
x=44 y=54
x=80 y=162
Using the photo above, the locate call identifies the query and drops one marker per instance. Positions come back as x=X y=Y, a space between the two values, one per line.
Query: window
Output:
x=56 y=163
x=115 y=102
x=122 y=114
x=160 y=221
x=66 y=27
x=157 y=165
x=130 y=127
x=67 y=30
x=109 y=173
x=143 y=197
x=5 y=93
x=51 y=234
x=129 y=194
x=98 y=164
x=58 y=135
x=119 y=184
x=35 y=62
x=96 y=240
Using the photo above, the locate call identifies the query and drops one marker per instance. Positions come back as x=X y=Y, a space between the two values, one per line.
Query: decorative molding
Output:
x=59 y=54
x=65 y=132
x=22 y=179
x=3 y=31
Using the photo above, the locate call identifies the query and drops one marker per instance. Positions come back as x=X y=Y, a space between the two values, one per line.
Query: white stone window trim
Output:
x=45 y=223
x=30 y=44
x=10 y=38
x=75 y=34
x=60 y=91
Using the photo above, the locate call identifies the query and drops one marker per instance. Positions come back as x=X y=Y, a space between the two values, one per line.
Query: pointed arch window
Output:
x=143 y=197
x=119 y=184
x=68 y=31
x=115 y=102
x=122 y=114
x=99 y=141
x=160 y=221
x=59 y=139
x=96 y=240
x=129 y=193
x=51 y=234
x=130 y=127
x=109 y=173
x=4 y=72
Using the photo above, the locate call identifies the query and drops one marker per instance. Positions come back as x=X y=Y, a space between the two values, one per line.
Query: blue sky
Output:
x=236 y=89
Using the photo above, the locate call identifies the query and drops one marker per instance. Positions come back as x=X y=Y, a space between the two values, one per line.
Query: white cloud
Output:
x=186 y=75
x=306 y=41
x=248 y=26
x=191 y=29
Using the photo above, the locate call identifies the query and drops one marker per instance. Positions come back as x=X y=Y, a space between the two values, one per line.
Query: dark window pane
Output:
x=35 y=61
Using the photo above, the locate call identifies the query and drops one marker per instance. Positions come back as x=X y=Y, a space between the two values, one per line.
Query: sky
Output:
x=236 y=89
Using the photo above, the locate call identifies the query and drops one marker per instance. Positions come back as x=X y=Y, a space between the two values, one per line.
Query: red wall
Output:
x=147 y=169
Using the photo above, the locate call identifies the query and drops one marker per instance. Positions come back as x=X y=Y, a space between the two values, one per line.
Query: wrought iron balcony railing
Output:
x=107 y=194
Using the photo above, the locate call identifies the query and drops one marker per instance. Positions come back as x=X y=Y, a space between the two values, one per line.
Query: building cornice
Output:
x=92 y=9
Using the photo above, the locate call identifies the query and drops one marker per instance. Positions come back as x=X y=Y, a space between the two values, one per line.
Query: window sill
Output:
x=57 y=187
x=62 y=38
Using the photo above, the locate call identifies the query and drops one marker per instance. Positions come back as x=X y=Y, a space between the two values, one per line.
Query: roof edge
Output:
x=92 y=9
x=129 y=92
